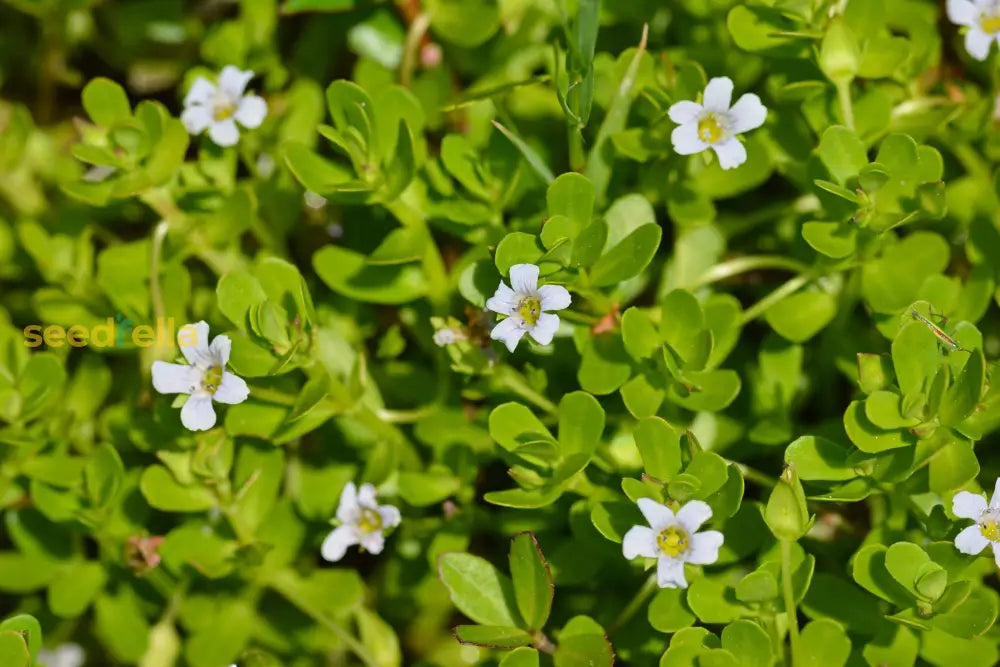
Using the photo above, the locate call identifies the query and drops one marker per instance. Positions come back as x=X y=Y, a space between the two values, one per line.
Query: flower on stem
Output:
x=219 y=107
x=673 y=539
x=64 y=655
x=525 y=307
x=714 y=124
x=362 y=521
x=982 y=18
x=986 y=531
x=204 y=377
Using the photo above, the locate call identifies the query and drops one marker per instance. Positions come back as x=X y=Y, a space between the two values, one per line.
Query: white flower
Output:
x=64 y=655
x=986 y=531
x=525 y=307
x=447 y=336
x=673 y=540
x=713 y=124
x=205 y=379
x=219 y=107
x=362 y=521
x=982 y=17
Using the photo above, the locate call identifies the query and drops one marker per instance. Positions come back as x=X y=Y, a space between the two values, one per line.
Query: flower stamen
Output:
x=530 y=309
x=673 y=541
x=990 y=23
x=709 y=129
x=212 y=379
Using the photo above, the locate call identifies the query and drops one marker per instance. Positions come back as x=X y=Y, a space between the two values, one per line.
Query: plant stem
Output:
x=159 y=234
x=272 y=396
x=577 y=156
x=515 y=382
x=844 y=99
x=789 y=595
x=640 y=598
x=789 y=288
x=414 y=36
x=746 y=264
x=355 y=646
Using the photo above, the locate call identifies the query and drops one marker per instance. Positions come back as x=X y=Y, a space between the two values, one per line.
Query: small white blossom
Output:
x=218 y=108
x=525 y=307
x=982 y=17
x=204 y=377
x=98 y=173
x=362 y=521
x=447 y=336
x=714 y=124
x=64 y=655
x=986 y=531
x=673 y=540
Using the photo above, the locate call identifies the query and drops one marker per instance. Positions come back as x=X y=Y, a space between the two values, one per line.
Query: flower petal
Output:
x=347 y=509
x=995 y=498
x=971 y=541
x=685 y=112
x=705 y=547
x=747 y=114
x=670 y=573
x=366 y=495
x=693 y=514
x=524 y=278
x=657 y=514
x=193 y=341
x=224 y=133
x=996 y=552
x=196 y=119
x=509 y=332
x=252 y=111
x=202 y=91
x=174 y=378
x=198 y=413
x=233 y=81
x=554 y=297
x=977 y=43
x=337 y=542
x=686 y=141
x=718 y=94
x=640 y=541
x=373 y=542
x=503 y=301
x=545 y=328
x=390 y=515
x=232 y=390
x=220 y=348
x=732 y=153
x=962 y=12
x=967 y=505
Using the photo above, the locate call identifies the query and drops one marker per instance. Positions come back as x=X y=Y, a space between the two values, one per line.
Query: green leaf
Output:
x=104 y=475
x=518 y=248
x=801 y=316
x=963 y=396
x=660 y=448
x=348 y=273
x=572 y=195
x=164 y=492
x=533 y=587
x=749 y=642
x=13 y=650
x=869 y=438
x=492 y=636
x=915 y=357
x=824 y=642
x=668 y=612
x=72 y=592
x=628 y=258
x=521 y=657
x=842 y=153
x=121 y=625
x=465 y=23
x=479 y=590
x=758 y=586
x=528 y=153
x=817 y=458
x=28 y=628
x=106 y=102
x=583 y=643
x=581 y=423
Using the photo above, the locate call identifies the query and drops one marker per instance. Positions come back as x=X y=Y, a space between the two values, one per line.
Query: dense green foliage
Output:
x=768 y=249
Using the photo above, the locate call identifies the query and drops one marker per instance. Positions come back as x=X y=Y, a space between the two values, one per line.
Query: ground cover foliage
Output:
x=499 y=332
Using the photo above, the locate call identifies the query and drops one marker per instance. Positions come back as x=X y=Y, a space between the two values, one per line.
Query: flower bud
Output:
x=786 y=514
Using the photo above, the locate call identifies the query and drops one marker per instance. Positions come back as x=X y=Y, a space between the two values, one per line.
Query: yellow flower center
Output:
x=990 y=530
x=709 y=129
x=990 y=23
x=530 y=309
x=370 y=521
x=212 y=380
x=223 y=109
x=673 y=541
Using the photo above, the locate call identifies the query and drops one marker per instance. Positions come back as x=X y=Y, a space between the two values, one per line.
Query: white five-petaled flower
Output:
x=986 y=531
x=64 y=655
x=673 y=540
x=525 y=307
x=448 y=336
x=217 y=108
x=714 y=124
x=982 y=17
x=362 y=521
x=204 y=377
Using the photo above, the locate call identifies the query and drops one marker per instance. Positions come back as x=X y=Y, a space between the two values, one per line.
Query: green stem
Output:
x=413 y=38
x=577 y=156
x=515 y=382
x=754 y=475
x=771 y=625
x=789 y=288
x=746 y=264
x=305 y=606
x=640 y=598
x=159 y=234
x=844 y=99
x=272 y=396
x=789 y=595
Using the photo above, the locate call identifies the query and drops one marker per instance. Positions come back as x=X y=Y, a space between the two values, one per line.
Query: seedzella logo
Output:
x=119 y=331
